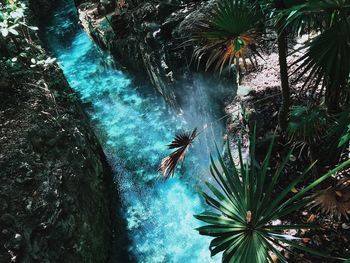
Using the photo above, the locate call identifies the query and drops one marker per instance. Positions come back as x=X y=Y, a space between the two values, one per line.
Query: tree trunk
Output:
x=332 y=99
x=282 y=54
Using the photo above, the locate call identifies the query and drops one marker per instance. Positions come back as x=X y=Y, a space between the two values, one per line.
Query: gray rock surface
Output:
x=55 y=184
x=149 y=39
x=54 y=198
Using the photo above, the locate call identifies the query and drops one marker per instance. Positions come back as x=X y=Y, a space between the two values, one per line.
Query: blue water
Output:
x=134 y=125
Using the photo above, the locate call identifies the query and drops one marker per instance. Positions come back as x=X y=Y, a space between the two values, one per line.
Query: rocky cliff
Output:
x=149 y=39
x=55 y=184
x=54 y=195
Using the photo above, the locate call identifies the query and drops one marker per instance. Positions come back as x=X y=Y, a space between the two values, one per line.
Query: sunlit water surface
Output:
x=134 y=125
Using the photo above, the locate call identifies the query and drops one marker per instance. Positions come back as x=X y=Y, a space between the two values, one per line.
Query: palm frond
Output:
x=303 y=16
x=308 y=124
x=228 y=34
x=328 y=53
x=333 y=201
x=181 y=143
x=341 y=131
x=246 y=206
x=325 y=59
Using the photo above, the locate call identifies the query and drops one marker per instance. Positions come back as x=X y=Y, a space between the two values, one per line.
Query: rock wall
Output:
x=149 y=39
x=40 y=8
x=55 y=183
x=55 y=203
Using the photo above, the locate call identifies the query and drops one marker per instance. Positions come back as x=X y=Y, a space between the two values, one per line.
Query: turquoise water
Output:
x=134 y=125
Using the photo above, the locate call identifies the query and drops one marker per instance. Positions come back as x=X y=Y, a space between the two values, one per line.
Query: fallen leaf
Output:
x=294 y=190
x=311 y=218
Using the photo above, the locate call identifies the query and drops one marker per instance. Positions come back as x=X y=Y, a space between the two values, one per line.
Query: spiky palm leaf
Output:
x=227 y=34
x=312 y=14
x=246 y=203
x=333 y=201
x=296 y=16
x=341 y=130
x=307 y=124
x=326 y=57
x=181 y=143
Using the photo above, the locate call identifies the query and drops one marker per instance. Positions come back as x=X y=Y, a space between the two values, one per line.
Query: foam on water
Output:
x=134 y=128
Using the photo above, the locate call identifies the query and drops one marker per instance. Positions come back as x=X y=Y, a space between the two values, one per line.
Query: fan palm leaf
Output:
x=308 y=124
x=246 y=205
x=227 y=34
x=181 y=143
x=326 y=56
x=333 y=201
x=304 y=16
x=314 y=14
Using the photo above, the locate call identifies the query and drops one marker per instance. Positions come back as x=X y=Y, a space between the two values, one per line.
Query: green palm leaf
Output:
x=228 y=34
x=326 y=56
x=246 y=204
x=308 y=124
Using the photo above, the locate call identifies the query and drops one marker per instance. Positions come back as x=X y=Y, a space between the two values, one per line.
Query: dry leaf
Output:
x=248 y=217
x=181 y=143
x=306 y=240
x=333 y=201
x=294 y=190
x=311 y=218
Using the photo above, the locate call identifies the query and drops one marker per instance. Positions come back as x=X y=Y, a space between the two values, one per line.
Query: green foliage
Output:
x=227 y=34
x=345 y=138
x=314 y=13
x=12 y=18
x=246 y=206
x=342 y=129
x=17 y=47
x=307 y=124
x=326 y=56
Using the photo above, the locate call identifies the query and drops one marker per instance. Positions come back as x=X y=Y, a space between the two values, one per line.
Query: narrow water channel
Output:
x=134 y=125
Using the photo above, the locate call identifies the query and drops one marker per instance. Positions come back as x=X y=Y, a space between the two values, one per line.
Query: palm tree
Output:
x=244 y=205
x=282 y=56
x=326 y=57
x=227 y=35
x=230 y=33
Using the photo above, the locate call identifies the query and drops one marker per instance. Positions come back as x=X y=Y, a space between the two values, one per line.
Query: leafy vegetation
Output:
x=18 y=49
x=326 y=55
x=345 y=137
x=181 y=144
x=243 y=227
x=229 y=34
x=244 y=196
x=231 y=29
x=13 y=20
x=333 y=201
x=307 y=124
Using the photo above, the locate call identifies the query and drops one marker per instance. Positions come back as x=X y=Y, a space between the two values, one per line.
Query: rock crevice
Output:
x=149 y=39
x=56 y=201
